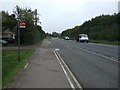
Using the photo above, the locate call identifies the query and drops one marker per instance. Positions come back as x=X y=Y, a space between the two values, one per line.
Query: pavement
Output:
x=42 y=71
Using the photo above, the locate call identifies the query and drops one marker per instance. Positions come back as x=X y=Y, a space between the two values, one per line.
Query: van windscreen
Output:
x=83 y=35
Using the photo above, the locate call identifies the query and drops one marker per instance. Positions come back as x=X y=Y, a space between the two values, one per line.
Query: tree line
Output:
x=32 y=33
x=103 y=27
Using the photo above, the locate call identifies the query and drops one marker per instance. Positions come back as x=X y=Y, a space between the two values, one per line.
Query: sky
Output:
x=59 y=15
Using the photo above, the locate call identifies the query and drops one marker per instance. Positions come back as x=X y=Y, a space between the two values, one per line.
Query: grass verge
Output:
x=22 y=45
x=105 y=42
x=102 y=41
x=48 y=37
x=0 y=69
x=11 y=65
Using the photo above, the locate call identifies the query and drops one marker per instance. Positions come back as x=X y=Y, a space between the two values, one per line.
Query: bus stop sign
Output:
x=22 y=25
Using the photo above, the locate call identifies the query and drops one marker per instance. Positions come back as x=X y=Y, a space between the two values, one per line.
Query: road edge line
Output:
x=65 y=72
x=74 y=78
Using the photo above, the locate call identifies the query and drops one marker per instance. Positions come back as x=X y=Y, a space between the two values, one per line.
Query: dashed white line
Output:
x=57 y=49
x=99 y=55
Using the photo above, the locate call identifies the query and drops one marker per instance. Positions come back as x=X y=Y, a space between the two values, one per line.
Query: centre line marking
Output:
x=99 y=54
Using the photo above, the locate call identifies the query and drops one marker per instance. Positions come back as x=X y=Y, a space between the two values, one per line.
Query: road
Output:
x=42 y=70
x=94 y=65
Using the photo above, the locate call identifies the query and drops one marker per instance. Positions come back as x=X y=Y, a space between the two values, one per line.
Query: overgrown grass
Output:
x=105 y=42
x=0 y=69
x=48 y=37
x=11 y=65
x=102 y=41
x=39 y=42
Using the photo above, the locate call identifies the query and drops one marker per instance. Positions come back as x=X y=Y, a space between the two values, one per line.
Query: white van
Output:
x=83 y=38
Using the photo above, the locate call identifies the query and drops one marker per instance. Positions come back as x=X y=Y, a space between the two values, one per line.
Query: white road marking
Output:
x=70 y=82
x=26 y=65
x=99 y=54
x=49 y=42
x=73 y=77
x=36 y=52
x=57 y=49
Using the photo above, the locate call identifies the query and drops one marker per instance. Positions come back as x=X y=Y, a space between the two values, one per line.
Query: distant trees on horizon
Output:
x=103 y=27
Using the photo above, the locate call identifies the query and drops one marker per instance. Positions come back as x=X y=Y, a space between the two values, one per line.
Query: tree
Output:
x=103 y=27
x=8 y=22
x=55 y=34
x=33 y=33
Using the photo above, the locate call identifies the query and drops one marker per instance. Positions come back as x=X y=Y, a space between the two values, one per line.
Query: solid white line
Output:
x=26 y=65
x=99 y=55
x=74 y=78
x=69 y=80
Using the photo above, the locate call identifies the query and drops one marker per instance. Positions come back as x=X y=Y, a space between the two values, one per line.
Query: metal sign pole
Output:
x=18 y=42
x=18 y=9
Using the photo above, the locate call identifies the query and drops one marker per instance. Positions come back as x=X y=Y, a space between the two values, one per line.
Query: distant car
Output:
x=82 y=38
x=3 y=42
x=66 y=38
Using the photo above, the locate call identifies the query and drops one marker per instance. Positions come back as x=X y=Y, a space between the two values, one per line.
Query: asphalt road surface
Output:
x=94 y=65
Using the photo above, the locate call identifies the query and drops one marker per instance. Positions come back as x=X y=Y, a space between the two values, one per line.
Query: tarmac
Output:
x=42 y=70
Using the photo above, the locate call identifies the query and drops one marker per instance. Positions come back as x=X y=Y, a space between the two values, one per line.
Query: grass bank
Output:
x=11 y=65
x=22 y=45
x=101 y=41
x=105 y=42
x=0 y=69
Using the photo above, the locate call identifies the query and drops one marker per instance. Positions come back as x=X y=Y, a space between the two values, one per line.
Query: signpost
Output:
x=21 y=25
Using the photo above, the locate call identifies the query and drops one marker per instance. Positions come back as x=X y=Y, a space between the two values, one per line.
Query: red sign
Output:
x=22 y=24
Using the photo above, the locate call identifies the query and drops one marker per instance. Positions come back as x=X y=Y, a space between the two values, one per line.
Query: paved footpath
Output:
x=43 y=71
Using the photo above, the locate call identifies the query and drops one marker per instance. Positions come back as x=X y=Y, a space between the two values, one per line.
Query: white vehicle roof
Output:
x=83 y=35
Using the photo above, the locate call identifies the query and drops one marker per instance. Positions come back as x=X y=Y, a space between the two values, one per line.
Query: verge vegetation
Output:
x=101 y=28
x=11 y=65
x=33 y=33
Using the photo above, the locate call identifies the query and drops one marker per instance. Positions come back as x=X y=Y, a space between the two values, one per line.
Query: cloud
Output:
x=58 y=15
x=59 y=1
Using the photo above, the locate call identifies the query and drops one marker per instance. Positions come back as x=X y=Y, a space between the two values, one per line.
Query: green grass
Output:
x=105 y=42
x=48 y=37
x=10 y=45
x=11 y=65
x=0 y=69
x=22 y=45
x=102 y=41
x=39 y=42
